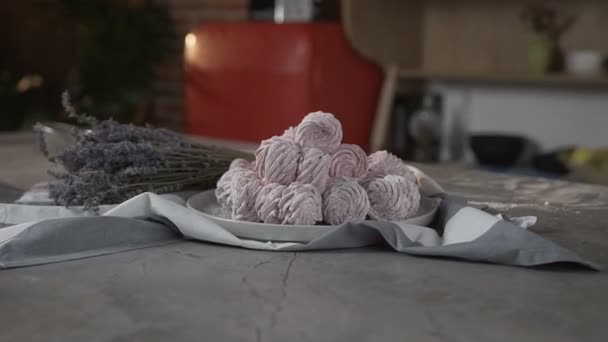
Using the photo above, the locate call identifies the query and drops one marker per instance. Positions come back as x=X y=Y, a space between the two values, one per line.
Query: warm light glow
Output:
x=190 y=40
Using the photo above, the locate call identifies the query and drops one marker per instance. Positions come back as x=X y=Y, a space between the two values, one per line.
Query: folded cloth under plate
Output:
x=459 y=231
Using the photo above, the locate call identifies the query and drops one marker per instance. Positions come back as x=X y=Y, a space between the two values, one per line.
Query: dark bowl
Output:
x=497 y=149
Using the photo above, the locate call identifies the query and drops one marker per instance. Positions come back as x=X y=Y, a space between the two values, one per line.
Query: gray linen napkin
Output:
x=459 y=232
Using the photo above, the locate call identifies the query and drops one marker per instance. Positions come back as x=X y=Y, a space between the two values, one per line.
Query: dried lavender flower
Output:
x=112 y=162
x=72 y=113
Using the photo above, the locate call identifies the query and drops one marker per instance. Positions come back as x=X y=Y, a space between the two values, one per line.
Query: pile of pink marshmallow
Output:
x=307 y=176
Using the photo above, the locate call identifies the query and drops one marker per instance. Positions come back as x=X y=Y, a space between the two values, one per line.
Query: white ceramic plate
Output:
x=206 y=204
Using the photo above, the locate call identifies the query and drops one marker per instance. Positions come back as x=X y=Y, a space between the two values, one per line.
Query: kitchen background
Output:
x=522 y=82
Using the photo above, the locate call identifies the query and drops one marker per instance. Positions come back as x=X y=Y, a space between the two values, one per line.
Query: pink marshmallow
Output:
x=320 y=130
x=276 y=160
x=245 y=190
x=289 y=133
x=267 y=203
x=344 y=200
x=314 y=168
x=383 y=163
x=223 y=190
x=242 y=163
x=348 y=161
x=393 y=198
x=300 y=204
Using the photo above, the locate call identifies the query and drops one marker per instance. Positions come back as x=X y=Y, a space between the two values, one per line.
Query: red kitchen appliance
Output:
x=248 y=81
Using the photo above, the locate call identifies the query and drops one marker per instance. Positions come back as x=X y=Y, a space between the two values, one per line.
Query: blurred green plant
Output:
x=548 y=25
x=121 y=44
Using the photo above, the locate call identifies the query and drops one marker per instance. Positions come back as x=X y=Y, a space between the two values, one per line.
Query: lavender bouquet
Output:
x=112 y=162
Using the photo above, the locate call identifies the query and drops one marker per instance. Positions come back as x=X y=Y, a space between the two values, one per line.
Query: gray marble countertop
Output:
x=193 y=291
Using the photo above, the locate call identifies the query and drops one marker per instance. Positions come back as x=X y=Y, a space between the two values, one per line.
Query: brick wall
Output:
x=168 y=110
